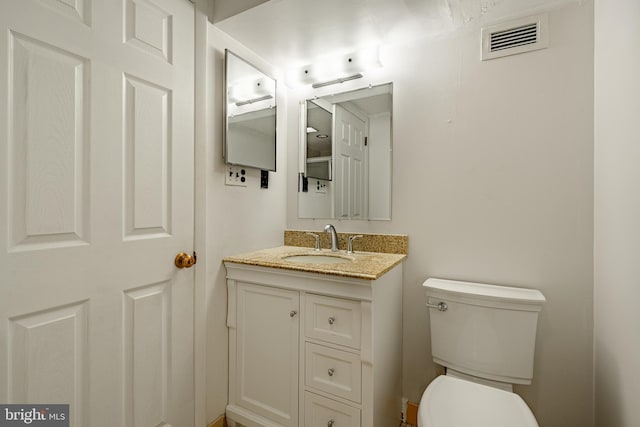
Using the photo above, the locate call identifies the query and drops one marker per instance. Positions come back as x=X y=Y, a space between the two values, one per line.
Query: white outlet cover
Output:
x=236 y=176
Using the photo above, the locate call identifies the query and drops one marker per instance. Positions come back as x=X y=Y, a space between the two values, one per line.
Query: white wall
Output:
x=314 y=203
x=617 y=213
x=380 y=147
x=238 y=219
x=493 y=182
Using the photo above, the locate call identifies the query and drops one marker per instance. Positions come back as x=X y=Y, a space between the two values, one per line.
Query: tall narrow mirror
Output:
x=346 y=147
x=250 y=136
x=319 y=141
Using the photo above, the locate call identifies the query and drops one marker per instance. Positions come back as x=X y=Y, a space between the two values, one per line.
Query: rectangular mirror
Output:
x=346 y=142
x=250 y=111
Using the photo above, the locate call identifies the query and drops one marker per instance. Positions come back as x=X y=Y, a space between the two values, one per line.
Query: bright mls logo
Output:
x=34 y=415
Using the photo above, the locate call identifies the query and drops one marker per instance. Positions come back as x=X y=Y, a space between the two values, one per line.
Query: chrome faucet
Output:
x=334 y=236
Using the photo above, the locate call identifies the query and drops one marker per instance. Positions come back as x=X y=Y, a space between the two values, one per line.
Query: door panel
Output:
x=97 y=201
x=147 y=167
x=351 y=159
x=147 y=354
x=150 y=28
x=60 y=373
x=47 y=141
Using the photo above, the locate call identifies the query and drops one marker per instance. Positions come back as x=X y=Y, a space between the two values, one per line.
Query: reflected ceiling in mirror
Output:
x=345 y=172
x=319 y=140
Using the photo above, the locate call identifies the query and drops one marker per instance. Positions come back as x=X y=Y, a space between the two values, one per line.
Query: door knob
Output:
x=184 y=260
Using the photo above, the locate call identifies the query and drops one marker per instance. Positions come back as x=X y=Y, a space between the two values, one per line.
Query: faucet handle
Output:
x=350 y=243
x=317 y=244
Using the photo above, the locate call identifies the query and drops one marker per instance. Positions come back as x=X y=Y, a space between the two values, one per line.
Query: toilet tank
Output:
x=487 y=331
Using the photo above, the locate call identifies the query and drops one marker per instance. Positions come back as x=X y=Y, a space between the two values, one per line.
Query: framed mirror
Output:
x=250 y=115
x=346 y=148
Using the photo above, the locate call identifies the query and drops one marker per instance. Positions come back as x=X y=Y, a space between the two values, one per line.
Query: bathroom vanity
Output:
x=314 y=343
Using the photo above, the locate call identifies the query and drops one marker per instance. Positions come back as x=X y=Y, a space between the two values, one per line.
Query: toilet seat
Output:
x=452 y=402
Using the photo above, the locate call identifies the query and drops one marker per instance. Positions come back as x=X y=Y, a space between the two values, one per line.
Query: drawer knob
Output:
x=331 y=371
x=292 y=313
x=330 y=423
x=331 y=320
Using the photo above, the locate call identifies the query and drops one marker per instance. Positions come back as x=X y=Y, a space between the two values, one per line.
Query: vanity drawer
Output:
x=333 y=371
x=335 y=320
x=322 y=412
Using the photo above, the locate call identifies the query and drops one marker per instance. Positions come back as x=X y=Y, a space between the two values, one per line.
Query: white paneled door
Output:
x=350 y=164
x=96 y=200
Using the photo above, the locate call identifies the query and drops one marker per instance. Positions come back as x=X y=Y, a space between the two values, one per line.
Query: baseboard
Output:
x=412 y=413
x=220 y=422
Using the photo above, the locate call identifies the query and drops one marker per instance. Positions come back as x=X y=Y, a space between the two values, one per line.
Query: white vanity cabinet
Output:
x=313 y=350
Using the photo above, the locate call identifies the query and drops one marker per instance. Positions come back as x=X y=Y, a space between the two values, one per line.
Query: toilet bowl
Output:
x=453 y=402
x=484 y=335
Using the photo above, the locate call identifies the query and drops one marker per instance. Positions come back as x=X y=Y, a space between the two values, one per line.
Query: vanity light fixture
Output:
x=336 y=68
x=339 y=80
x=249 y=91
x=251 y=101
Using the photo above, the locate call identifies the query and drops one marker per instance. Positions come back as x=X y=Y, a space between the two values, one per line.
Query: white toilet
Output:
x=484 y=335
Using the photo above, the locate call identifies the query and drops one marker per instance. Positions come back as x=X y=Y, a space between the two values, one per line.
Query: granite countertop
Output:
x=363 y=265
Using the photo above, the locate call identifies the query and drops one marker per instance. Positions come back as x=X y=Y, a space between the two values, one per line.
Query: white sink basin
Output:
x=317 y=259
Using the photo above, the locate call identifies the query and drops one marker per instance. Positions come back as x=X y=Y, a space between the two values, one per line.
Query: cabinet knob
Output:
x=331 y=320
x=292 y=313
x=330 y=423
x=331 y=371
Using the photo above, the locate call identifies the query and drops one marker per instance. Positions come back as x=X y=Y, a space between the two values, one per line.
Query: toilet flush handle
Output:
x=441 y=306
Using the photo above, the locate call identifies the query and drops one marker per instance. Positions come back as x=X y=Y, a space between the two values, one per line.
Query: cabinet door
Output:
x=267 y=352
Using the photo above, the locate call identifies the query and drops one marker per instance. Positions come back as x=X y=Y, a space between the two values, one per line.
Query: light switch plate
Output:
x=320 y=187
x=236 y=176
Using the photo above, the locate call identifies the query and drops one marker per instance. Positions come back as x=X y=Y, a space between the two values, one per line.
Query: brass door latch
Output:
x=184 y=260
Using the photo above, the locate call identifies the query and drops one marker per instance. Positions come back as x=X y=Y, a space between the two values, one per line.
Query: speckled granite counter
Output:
x=387 y=243
x=363 y=265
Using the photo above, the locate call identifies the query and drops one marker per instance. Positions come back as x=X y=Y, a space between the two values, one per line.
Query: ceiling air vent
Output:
x=518 y=36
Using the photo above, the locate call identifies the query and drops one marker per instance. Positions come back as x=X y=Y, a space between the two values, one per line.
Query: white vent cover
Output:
x=517 y=36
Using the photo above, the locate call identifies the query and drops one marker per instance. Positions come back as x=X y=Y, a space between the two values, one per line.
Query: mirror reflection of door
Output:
x=350 y=177
x=350 y=164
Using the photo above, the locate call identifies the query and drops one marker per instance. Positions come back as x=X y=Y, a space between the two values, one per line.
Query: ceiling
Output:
x=291 y=33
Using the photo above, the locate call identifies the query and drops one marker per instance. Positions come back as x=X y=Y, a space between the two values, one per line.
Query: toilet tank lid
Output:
x=506 y=293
